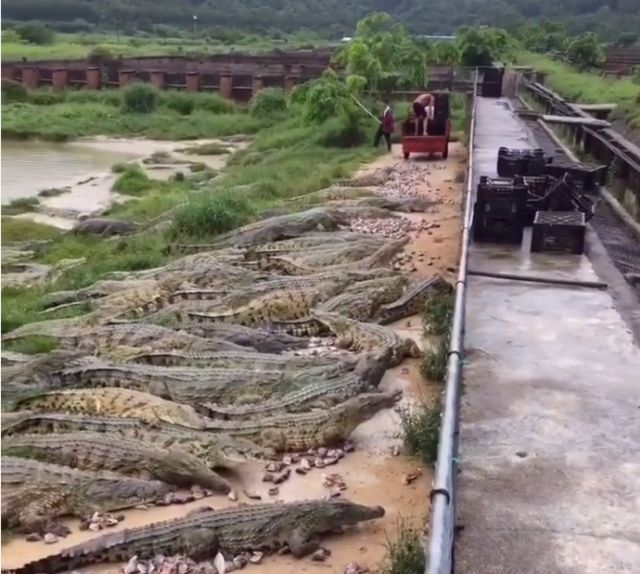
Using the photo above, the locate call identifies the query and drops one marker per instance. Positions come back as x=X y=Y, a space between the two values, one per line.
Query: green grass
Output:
x=405 y=554
x=438 y=313
x=433 y=365
x=587 y=88
x=20 y=205
x=64 y=121
x=22 y=230
x=31 y=345
x=132 y=181
x=212 y=148
x=421 y=431
x=70 y=46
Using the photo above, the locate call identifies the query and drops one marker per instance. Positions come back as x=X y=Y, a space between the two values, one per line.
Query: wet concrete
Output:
x=549 y=447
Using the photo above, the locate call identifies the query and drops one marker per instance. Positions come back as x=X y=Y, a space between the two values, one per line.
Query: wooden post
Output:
x=30 y=77
x=226 y=85
x=157 y=78
x=193 y=82
x=258 y=84
x=94 y=78
x=59 y=79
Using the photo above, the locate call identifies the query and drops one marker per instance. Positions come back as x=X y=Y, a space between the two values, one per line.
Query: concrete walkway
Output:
x=550 y=427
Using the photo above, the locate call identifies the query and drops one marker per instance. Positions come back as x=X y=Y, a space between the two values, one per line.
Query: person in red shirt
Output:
x=386 y=126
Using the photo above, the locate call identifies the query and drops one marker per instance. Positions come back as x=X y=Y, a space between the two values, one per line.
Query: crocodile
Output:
x=301 y=431
x=264 y=341
x=333 y=193
x=204 y=532
x=104 y=226
x=283 y=305
x=402 y=204
x=187 y=384
x=100 y=338
x=35 y=493
x=308 y=241
x=380 y=258
x=238 y=359
x=216 y=450
x=368 y=337
x=97 y=451
x=11 y=358
x=117 y=402
x=321 y=394
x=282 y=227
x=412 y=301
x=95 y=291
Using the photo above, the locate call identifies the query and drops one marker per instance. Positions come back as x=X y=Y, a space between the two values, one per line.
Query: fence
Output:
x=440 y=556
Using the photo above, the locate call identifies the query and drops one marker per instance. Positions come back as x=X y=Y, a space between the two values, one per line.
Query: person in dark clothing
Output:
x=386 y=126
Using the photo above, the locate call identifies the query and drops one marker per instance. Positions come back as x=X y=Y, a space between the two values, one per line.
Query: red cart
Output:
x=429 y=144
x=438 y=129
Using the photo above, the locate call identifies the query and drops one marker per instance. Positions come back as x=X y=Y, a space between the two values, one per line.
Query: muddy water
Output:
x=372 y=473
x=31 y=166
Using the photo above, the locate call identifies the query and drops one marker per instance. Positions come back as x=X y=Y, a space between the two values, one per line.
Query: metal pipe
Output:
x=441 y=541
x=532 y=279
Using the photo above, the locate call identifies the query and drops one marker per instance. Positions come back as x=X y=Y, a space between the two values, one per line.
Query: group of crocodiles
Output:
x=206 y=363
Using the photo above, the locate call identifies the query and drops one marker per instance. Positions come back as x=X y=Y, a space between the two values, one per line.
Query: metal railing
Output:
x=443 y=494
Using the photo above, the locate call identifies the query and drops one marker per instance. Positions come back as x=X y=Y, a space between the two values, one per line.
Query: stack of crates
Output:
x=586 y=177
x=513 y=162
x=500 y=210
x=558 y=231
x=538 y=191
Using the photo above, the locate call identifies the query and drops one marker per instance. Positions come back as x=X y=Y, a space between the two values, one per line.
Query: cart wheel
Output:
x=406 y=155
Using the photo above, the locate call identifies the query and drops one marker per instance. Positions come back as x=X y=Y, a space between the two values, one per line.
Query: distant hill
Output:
x=331 y=17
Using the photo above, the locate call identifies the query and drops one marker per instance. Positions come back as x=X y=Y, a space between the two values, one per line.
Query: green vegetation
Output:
x=140 y=99
x=137 y=111
x=269 y=103
x=98 y=47
x=22 y=229
x=30 y=345
x=212 y=148
x=405 y=555
x=585 y=51
x=421 y=430
x=132 y=181
x=219 y=22
x=20 y=205
x=588 y=88
x=433 y=365
x=438 y=314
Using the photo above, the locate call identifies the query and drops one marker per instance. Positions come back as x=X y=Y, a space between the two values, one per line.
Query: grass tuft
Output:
x=421 y=430
x=405 y=555
x=20 y=205
x=433 y=365
x=132 y=181
x=33 y=345
x=438 y=314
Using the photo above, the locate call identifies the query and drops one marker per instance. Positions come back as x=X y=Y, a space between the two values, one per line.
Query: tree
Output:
x=36 y=33
x=482 y=46
x=585 y=51
x=384 y=53
x=627 y=39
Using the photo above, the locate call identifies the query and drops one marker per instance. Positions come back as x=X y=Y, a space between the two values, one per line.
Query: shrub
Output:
x=35 y=33
x=421 y=431
x=180 y=102
x=13 y=91
x=106 y=97
x=438 y=314
x=405 y=555
x=45 y=98
x=140 y=98
x=433 y=364
x=99 y=54
x=20 y=205
x=342 y=132
x=268 y=103
x=215 y=104
x=210 y=214
x=132 y=181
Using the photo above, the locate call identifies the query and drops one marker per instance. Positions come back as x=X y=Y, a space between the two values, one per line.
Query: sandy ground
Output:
x=372 y=473
x=92 y=194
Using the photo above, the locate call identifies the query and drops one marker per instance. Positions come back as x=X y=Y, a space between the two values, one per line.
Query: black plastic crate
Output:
x=566 y=196
x=559 y=232
x=500 y=208
x=538 y=190
x=586 y=177
x=513 y=162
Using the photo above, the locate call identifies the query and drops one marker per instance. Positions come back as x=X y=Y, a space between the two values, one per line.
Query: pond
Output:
x=30 y=166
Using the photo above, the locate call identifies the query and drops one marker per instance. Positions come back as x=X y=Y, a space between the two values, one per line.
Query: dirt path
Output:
x=372 y=473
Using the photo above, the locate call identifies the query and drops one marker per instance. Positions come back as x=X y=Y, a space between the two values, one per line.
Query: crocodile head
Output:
x=110 y=490
x=343 y=512
x=231 y=452
x=361 y=408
